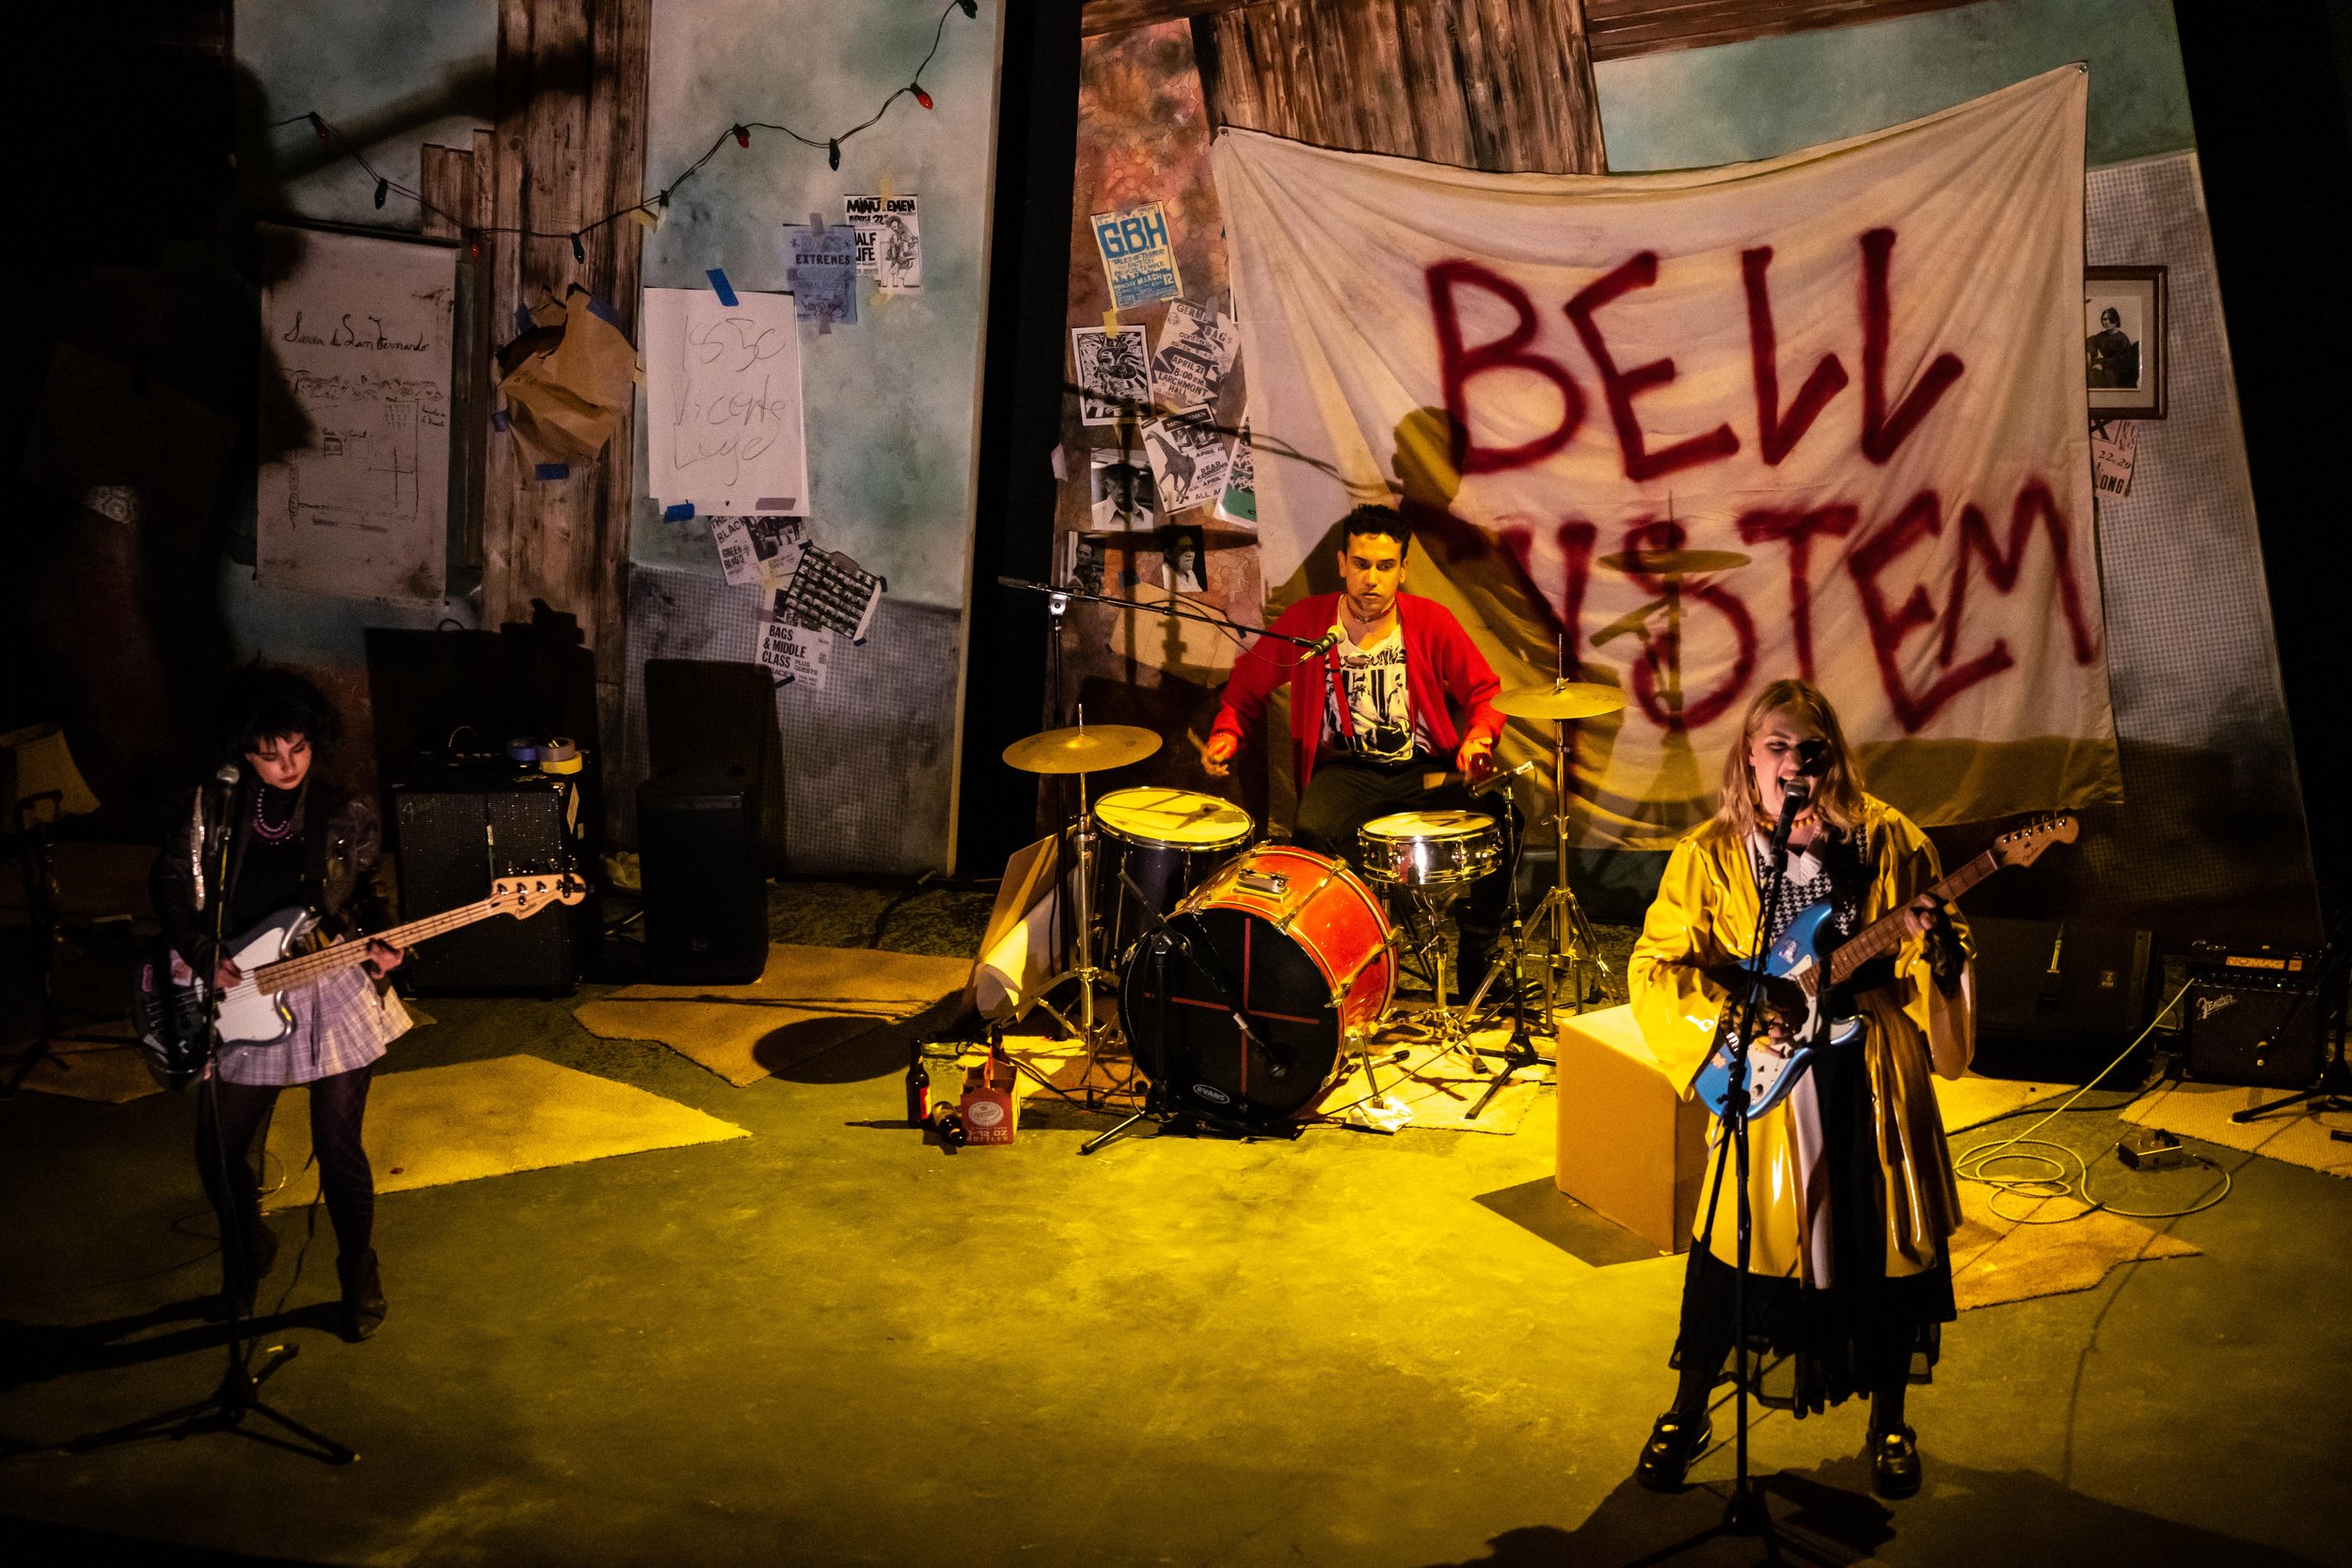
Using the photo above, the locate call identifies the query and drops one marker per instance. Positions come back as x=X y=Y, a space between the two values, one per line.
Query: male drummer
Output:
x=1374 y=721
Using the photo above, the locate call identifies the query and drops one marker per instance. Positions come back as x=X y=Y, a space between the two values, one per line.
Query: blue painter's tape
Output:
x=599 y=309
x=679 y=513
x=498 y=418
x=720 y=286
x=553 y=470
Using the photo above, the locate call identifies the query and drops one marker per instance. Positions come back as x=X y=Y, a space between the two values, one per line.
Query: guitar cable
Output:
x=1976 y=1162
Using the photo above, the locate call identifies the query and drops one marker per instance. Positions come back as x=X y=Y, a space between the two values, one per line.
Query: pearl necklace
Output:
x=261 y=830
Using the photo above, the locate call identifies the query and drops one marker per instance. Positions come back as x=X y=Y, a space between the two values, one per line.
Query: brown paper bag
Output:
x=567 y=386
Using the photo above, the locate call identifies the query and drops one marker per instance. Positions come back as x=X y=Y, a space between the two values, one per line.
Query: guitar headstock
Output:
x=521 y=896
x=2023 y=844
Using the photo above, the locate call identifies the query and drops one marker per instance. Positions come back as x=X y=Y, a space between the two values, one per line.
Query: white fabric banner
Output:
x=1859 y=368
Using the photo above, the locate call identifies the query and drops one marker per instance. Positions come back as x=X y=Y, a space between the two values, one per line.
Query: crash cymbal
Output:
x=1673 y=563
x=1565 y=700
x=1088 y=748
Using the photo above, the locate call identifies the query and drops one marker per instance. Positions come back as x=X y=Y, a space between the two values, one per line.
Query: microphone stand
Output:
x=1745 y=1512
x=1170 y=608
x=238 y=1395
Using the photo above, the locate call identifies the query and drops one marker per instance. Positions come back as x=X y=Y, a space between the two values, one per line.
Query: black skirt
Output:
x=1811 y=1349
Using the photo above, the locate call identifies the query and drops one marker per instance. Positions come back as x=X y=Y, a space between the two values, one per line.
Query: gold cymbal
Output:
x=1565 y=700
x=1673 y=563
x=1088 y=748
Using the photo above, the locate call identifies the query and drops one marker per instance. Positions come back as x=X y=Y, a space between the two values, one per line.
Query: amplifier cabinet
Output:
x=2273 y=1035
x=705 y=886
x=459 y=828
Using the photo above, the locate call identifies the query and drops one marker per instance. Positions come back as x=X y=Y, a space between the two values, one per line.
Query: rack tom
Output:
x=1166 y=842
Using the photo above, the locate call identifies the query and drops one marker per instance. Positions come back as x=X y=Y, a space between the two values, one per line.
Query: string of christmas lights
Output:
x=649 y=208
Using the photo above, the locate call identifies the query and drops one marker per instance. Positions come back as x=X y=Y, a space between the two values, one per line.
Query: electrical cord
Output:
x=1975 y=1163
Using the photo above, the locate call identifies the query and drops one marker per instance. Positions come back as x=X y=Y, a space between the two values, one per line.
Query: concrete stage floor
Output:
x=829 y=1343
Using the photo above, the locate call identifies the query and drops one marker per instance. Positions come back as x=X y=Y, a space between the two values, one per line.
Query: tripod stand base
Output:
x=227 y=1409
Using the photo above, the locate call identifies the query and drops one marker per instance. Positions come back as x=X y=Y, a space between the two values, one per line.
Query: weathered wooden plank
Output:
x=1117 y=16
x=1620 y=29
x=1482 y=83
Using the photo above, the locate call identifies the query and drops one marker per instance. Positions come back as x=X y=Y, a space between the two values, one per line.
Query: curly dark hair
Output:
x=1376 y=518
x=260 y=704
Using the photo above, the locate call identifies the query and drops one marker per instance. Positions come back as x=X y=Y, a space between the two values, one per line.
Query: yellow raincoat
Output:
x=1705 y=916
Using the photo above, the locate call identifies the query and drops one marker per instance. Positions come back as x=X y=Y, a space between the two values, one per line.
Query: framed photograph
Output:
x=2123 y=342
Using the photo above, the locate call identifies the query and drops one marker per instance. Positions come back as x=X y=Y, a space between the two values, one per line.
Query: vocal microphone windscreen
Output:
x=1325 y=644
x=225 y=774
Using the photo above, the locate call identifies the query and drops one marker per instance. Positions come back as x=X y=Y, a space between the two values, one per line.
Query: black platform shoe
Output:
x=1673 y=1442
x=1894 y=1467
x=363 y=1295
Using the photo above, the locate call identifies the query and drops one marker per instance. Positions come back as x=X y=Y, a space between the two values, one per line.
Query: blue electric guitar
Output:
x=1799 y=956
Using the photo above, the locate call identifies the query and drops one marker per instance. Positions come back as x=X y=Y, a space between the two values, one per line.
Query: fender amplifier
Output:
x=2257 y=1017
x=705 y=890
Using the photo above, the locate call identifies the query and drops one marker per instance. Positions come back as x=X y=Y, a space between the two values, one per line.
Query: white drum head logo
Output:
x=984 y=1113
x=1213 y=1094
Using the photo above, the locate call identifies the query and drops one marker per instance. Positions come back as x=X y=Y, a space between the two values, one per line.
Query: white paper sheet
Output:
x=723 y=400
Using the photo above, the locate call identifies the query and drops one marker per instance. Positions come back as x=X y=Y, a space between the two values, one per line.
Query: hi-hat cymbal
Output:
x=1673 y=563
x=1565 y=700
x=1088 y=748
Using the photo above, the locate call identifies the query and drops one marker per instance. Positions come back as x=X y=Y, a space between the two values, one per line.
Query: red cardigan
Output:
x=1443 y=671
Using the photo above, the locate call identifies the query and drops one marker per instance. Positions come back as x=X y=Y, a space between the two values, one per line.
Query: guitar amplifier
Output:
x=460 y=827
x=704 y=887
x=2257 y=1017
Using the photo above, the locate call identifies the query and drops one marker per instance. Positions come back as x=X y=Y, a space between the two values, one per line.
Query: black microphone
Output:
x=1500 y=778
x=1795 y=795
x=1325 y=644
x=226 y=776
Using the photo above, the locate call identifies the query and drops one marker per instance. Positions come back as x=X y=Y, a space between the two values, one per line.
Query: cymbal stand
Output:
x=1575 y=947
x=1089 y=1027
x=1510 y=959
x=1446 y=1027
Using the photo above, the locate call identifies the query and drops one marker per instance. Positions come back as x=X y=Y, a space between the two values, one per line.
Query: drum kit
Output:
x=1250 y=974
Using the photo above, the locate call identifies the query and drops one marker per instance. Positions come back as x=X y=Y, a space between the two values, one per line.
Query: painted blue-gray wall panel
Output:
x=867 y=762
x=414 y=70
x=1690 y=108
x=891 y=401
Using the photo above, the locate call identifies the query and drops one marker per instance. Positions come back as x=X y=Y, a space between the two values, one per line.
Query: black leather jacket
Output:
x=342 y=845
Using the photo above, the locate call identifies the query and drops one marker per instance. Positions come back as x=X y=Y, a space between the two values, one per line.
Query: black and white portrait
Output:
x=1183 y=562
x=2111 y=348
x=1121 y=493
x=2123 y=342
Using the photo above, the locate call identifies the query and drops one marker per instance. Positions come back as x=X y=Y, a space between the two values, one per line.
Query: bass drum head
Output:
x=1181 y=1030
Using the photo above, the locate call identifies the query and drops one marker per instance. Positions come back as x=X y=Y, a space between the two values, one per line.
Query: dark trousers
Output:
x=1343 y=794
x=346 y=1179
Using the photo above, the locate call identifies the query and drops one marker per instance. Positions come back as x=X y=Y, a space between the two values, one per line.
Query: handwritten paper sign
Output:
x=722 y=395
x=357 y=333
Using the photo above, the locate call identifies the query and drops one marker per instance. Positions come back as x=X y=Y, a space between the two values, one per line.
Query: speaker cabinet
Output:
x=715 y=719
x=2057 y=999
x=459 y=828
x=2256 y=1032
x=706 y=890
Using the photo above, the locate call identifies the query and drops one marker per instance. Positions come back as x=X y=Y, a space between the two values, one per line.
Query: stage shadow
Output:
x=1962 y=1517
x=41 y=1352
x=1540 y=1208
x=847 y=1050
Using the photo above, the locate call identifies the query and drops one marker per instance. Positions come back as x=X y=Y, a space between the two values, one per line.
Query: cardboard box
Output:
x=1631 y=1147
x=990 y=1110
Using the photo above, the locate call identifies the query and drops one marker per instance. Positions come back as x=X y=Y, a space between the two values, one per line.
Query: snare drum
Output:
x=1293 y=941
x=1166 y=841
x=1429 y=849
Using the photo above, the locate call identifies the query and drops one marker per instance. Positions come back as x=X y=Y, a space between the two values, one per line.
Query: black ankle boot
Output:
x=1895 y=1468
x=363 y=1295
x=1674 y=1442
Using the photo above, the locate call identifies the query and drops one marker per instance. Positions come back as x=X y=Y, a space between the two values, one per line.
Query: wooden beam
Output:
x=1117 y=16
x=1621 y=29
x=569 y=149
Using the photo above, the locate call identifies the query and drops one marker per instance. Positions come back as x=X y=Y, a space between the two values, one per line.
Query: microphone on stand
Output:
x=1500 y=778
x=1325 y=644
x=1795 y=795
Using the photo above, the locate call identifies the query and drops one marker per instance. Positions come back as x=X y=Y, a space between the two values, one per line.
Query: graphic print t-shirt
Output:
x=1379 y=721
